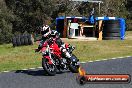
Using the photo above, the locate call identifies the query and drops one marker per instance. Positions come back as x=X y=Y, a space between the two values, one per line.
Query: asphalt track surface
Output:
x=38 y=79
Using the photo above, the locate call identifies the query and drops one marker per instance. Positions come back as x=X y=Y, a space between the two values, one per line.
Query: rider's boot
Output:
x=39 y=48
x=67 y=55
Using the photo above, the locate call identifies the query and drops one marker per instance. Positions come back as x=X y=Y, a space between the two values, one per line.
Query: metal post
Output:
x=99 y=8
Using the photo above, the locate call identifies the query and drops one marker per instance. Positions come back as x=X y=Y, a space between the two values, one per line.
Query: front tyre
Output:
x=49 y=68
x=73 y=67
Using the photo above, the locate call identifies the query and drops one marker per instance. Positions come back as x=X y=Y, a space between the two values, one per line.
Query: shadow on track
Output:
x=38 y=72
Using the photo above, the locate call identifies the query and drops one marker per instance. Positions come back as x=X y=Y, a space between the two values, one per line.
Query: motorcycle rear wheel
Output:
x=49 y=68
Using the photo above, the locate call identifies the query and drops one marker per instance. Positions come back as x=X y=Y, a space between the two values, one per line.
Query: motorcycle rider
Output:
x=61 y=45
x=45 y=32
x=59 y=42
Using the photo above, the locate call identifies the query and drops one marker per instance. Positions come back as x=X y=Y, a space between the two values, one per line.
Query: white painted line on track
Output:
x=107 y=59
x=32 y=68
x=79 y=62
x=90 y=61
x=113 y=58
x=83 y=62
x=40 y=67
x=120 y=57
x=24 y=69
x=97 y=60
x=6 y=71
x=104 y=59
x=128 y=56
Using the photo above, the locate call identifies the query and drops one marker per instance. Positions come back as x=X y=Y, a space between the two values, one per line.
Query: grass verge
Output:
x=24 y=57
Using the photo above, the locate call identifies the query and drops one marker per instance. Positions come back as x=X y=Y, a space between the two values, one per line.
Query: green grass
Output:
x=102 y=49
x=24 y=57
x=18 y=57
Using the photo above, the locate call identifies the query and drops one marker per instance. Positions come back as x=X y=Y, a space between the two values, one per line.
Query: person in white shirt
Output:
x=45 y=31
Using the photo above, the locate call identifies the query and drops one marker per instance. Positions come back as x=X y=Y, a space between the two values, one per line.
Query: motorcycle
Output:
x=52 y=55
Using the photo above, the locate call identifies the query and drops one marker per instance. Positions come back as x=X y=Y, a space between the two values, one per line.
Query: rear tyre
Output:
x=111 y=30
x=25 y=39
x=49 y=68
x=112 y=22
x=111 y=38
x=112 y=26
x=111 y=34
x=14 y=41
x=22 y=39
x=30 y=39
x=18 y=41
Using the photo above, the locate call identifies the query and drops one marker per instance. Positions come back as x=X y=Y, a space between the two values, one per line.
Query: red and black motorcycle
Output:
x=52 y=55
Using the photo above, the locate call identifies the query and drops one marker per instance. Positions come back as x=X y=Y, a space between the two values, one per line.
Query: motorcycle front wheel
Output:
x=49 y=68
x=73 y=67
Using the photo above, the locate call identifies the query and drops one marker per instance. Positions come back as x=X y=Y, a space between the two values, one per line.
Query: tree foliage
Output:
x=6 y=18
x=29 y=15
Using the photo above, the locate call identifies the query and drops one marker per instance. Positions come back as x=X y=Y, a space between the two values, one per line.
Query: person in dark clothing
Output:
x=60 y=43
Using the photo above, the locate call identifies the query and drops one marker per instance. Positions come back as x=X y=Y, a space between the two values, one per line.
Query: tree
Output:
x=29 y=14
x=6 y=18
x=114 y=8
x=129 y=8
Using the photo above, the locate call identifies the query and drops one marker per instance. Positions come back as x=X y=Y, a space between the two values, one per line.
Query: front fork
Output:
x=74 y=59
x=51 y=61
